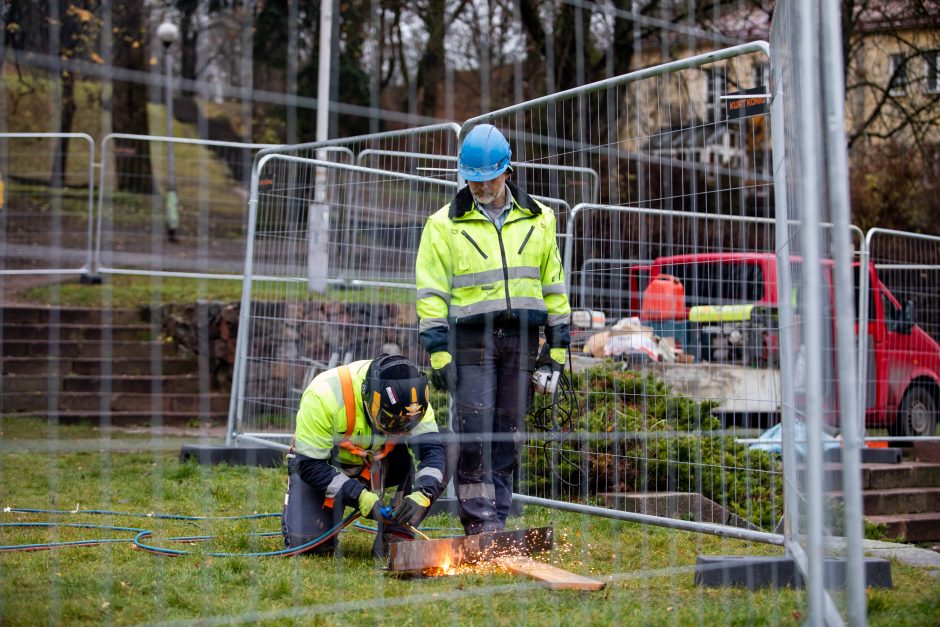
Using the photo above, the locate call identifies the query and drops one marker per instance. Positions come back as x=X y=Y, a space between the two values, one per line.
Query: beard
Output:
x=485 y=198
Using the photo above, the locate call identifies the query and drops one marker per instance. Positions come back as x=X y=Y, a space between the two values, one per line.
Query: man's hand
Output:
x=368 y=505
x=443 y=371
x=411 y=507
x=550 y=365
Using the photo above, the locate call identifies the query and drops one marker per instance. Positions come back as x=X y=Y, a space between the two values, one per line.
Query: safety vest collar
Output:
x=462 y=203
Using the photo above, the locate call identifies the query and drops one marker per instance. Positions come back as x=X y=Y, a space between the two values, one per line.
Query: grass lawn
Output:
x=648 y=568
x=120 y=291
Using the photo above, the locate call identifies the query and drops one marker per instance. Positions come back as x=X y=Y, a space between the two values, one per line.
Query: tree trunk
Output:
x=61 y=153
x=129 y=111
x=431 y=68
x=189 y=36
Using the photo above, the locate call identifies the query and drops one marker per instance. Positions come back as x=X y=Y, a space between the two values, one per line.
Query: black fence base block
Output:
x=232 y=455
x=755 y=573
x=451 y=506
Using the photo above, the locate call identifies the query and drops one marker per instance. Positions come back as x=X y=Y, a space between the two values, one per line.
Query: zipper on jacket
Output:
x=502 y=253
x=526 y=240
x=475 y=245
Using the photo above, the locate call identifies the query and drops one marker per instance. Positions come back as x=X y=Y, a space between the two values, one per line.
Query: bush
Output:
x=626 y=431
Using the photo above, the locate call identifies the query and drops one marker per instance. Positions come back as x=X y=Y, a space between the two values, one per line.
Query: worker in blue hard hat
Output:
x=360 y=428
x=489 y=276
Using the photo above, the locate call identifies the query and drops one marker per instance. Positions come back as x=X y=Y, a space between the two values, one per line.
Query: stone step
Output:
x=40 y=314
x=898 y=501
x=76 y=332
x=923 y=527
x=95 y=366
x=887 y=476
x=138 y=384
x=128 y=418
x=86 y=349
x=38 y=402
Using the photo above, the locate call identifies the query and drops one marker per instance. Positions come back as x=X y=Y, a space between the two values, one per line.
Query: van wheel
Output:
x=917 y=415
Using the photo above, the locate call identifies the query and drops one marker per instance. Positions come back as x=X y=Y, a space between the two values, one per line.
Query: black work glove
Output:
x=411 y=508
x=548 y=368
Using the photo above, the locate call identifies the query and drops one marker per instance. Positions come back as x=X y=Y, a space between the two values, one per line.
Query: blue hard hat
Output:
x=484 y=154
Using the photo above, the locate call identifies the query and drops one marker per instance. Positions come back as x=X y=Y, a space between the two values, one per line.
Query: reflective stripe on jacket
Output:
x=467 y=270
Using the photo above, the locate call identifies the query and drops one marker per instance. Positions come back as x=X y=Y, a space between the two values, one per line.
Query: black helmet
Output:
x=395 y=394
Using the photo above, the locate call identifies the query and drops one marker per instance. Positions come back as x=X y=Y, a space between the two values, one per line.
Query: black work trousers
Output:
x=493 y=394
x=305 y=516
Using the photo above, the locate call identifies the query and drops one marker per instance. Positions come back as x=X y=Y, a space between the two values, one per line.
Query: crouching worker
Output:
x=357 y=428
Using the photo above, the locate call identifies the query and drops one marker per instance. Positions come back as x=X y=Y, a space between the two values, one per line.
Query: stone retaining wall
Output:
x=285 y=333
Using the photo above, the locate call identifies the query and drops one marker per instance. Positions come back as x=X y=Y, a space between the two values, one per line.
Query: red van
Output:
x=903 y=360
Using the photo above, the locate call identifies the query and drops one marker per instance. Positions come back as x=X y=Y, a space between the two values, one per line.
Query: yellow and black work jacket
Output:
x=469 y=272
x=322 y=425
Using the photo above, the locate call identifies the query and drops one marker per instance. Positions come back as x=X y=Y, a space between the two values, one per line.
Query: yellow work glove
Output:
x=558 y=355
x=440 y=359
x=367 y=507
x=443 y=371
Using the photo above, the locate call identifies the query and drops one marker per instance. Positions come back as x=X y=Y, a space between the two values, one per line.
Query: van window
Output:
x=720 y=282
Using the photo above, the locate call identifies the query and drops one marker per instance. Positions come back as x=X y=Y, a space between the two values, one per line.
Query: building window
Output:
x=715 y=89
x=760 y=73
x=932 y=75
x=898 y=76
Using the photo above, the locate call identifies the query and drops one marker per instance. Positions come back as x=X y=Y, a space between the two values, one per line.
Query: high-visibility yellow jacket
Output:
x=468 y=271
x=322 y=423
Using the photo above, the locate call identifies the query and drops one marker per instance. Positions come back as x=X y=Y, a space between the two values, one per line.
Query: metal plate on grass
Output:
x=421 y=555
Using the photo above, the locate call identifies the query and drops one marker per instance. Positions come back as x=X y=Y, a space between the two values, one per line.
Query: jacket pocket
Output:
x=526 y=240
x=475 y=245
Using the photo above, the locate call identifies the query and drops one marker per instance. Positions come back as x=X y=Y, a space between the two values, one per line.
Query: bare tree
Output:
x=129 y=113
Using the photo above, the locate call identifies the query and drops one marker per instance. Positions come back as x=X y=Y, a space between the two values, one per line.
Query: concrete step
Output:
x=77 y=332
x=95 y=366
x=138 y=384
x=128 y=418
x=39 y=314
x=923 y=527
x=38 y=402
x=87 y=349
x=887 y=476
x=899 y=501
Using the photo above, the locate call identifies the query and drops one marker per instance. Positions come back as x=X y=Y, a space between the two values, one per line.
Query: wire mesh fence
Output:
x=817 y=308
x=331 y=265
x=188 y=221
x=680 y=180
x=47 y=182
x=901 y=369
x=695 y=326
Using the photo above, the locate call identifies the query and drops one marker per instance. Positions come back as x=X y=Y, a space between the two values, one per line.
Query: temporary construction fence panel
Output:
x=627 y=438
x=817 y=317
x=573 y=180
x=46 y=201
x=190 y=221
x=901 y=368
x=330 y=266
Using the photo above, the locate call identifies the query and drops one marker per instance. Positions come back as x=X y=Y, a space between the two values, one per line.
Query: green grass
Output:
x=120 y=291
x=125 y=291
x=120 y=585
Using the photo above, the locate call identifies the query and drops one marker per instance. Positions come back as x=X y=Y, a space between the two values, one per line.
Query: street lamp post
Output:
x=169 y=34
